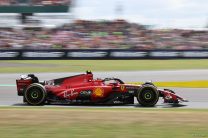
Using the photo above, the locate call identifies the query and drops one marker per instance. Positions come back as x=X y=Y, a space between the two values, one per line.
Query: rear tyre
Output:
x=35 y=94
x=147 y=95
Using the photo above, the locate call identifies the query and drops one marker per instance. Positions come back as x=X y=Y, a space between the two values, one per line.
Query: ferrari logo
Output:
x=122 y=87
x=98 y=92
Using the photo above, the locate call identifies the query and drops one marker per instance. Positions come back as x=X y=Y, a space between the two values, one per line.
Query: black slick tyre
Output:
x=147 y=95
x=35 y=94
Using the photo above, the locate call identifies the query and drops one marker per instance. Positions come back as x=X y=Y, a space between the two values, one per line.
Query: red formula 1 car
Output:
x=84 y=89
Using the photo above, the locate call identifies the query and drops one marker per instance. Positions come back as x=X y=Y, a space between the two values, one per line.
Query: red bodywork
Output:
x=84 y=88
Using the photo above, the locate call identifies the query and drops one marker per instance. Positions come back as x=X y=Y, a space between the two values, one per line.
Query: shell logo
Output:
x=98 y=92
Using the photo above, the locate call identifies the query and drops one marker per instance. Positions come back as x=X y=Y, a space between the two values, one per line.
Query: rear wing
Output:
x=24 y=82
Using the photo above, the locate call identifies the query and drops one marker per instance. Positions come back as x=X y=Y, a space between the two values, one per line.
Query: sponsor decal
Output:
x=70 y=93
x=51 y=82
x=86 y=93
x=195 y=54
x=122 y=87
x=131 y=87
x=9 y=54
x=43 y=54
x=131 y=91
x=128 y=54
x=99 y=92
x=87 y=54
x=164 y=54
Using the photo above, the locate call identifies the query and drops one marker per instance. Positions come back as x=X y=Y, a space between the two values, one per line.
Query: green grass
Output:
x=13 y=66
x=132 y=130
x=32 y=122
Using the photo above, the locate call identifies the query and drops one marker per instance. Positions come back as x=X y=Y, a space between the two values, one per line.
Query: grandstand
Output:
x=118 y=34
x=30 y=33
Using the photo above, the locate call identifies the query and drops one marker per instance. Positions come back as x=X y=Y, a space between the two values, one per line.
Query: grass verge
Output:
x=12 y=66
x=105 y=123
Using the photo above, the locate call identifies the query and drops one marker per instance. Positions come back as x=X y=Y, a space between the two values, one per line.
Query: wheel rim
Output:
x=147 y=97
x=35 y=95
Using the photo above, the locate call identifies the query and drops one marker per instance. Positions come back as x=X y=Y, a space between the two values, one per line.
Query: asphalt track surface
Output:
x=198 y=97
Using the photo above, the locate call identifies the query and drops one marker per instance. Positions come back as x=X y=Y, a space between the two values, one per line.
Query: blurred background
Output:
x=109 y=24
x=39 y=30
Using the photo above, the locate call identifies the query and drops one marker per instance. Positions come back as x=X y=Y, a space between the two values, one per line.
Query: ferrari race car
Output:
x=84 y=89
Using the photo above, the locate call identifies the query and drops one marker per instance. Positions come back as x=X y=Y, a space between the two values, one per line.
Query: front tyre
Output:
x=35 y=94
x=147 y=95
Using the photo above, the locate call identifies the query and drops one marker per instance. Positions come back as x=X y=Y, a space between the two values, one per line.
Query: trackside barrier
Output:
x=101 y=54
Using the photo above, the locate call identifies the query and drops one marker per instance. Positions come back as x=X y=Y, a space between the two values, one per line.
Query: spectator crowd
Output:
x=34 y=2
x=117 y=34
